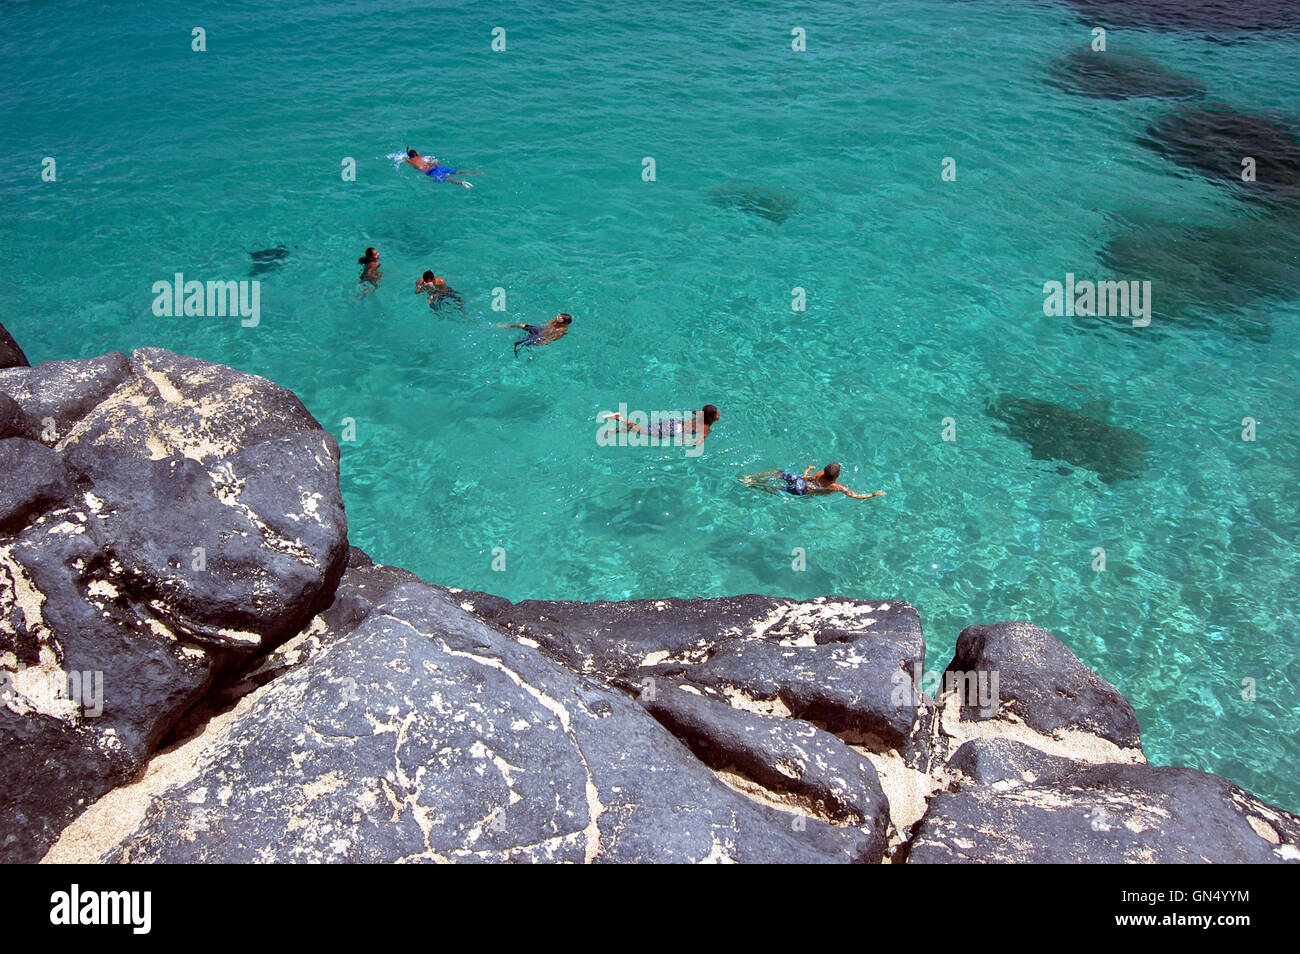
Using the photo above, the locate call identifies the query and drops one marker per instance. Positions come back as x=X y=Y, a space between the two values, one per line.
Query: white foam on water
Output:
x=400 y=157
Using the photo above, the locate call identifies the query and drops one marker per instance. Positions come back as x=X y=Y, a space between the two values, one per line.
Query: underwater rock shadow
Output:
x=1055 y=432
x=756 y=200
x=1212 y=16
x=1212 y=140
x=1201 y=274
x=1110 y=75
x=267 y=260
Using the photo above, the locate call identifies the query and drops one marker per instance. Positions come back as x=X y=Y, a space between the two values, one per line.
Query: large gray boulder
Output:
x=1107 y=814
x=423 y=734
x=54 y=395
x=1039 y=682
x=837 y=662
x=163 y=521
x=1052 y=771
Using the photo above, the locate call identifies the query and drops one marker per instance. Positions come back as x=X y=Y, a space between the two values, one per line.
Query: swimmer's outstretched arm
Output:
x=849 y=493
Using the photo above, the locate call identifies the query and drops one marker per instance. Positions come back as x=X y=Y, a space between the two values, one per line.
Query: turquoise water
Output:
x=924 y=302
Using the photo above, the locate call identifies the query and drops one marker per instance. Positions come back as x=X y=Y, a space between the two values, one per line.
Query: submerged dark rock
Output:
x=1209 y=276
x=1056 y=432
x=1214 y=16
x=267 y=260
x=1113 y=75
x=756 y=200
x=1214 y=141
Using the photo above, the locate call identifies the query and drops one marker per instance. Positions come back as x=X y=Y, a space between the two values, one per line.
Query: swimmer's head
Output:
x=832 y=472
x=427 y=277
x=564 y=318
x=412 y=154
x=710 y=413
x=370 y=256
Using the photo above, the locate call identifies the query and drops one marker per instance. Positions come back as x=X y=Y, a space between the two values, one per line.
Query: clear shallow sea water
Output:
x=924 y=302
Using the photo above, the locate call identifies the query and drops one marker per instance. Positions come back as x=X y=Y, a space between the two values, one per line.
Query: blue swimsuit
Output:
x=440 y=173
x=533 y=337
x=664 y=429
x=794 y=484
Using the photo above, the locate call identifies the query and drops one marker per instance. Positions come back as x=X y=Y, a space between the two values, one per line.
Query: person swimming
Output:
x=370 y=272
x=825 y=481
x=553 y=330
x=439 y=173
x=438 y=290
x=699 y=424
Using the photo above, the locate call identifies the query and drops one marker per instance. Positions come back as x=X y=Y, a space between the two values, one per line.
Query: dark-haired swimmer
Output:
x=553 y=330
x=370 y=273
x=825 y=481
x=699 y=424
x=436 y=287
x=436 y=172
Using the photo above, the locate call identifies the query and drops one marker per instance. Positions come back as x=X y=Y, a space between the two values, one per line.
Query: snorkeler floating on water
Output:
x=700 y=423
x=553 y=330
x=370 y=273
x=430 y=167
x=436 y=287
x=823 y=482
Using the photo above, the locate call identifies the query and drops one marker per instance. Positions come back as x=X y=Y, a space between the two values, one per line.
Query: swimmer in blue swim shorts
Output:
x=825 y=481
x=534 y=335
x=438 y=173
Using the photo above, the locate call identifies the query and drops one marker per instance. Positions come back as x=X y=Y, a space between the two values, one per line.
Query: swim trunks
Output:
x=665 y=428
x=533 y=337
x=440 y=173
x=794 y=484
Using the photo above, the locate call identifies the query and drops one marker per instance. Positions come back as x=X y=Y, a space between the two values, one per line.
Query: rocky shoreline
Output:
x=196 y=666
